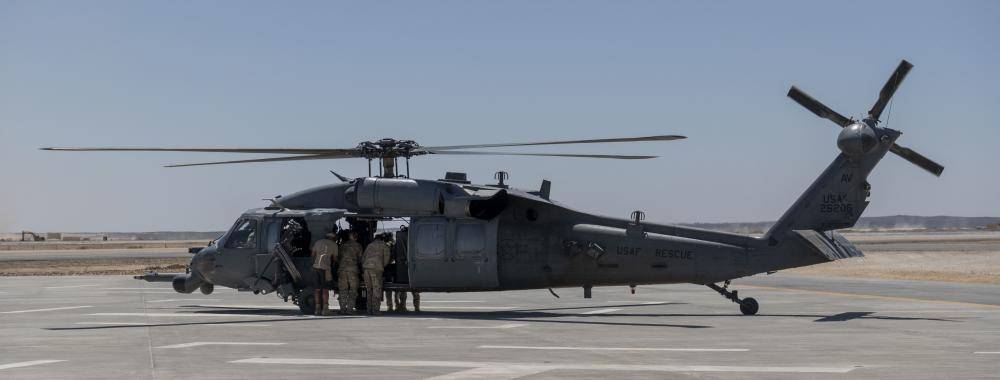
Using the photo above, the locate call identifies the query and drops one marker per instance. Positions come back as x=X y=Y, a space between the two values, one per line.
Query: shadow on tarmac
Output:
x=541 y=315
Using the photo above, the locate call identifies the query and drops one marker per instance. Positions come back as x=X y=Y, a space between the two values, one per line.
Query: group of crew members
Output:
x=344 y=252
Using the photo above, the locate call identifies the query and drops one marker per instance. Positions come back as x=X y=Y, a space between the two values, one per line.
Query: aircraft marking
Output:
x=600 y=311
x=548 y=366
x=199 y=344
x=27 y=364
x=48 y=309
x=557 y=348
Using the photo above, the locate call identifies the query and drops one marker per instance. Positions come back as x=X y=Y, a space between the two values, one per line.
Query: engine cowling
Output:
x=397 y=195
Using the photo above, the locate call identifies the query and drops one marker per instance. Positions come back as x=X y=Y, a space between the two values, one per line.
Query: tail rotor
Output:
x=855 y=131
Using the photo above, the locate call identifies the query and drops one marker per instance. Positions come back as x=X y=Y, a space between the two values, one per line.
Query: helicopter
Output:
x=464 y=237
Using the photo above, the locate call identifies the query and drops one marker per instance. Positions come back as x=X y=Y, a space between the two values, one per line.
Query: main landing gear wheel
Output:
x=306 y=300
x=748 y=306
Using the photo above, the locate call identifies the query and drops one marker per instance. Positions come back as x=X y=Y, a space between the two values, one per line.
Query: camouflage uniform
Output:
x=347 y=275
x=401 y=301
x=375 y=259
x=324 y=251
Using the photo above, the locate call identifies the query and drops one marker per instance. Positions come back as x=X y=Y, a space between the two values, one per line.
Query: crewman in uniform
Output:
x=324 y=253
x=389 y=275
x=347 y=273
x=375 y=258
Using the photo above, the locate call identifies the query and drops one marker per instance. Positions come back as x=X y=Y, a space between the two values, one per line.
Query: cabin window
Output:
x=244 y=235
x=470 y=238
x=431 y=240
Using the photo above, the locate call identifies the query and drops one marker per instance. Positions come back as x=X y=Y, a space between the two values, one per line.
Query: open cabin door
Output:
x=459 y=254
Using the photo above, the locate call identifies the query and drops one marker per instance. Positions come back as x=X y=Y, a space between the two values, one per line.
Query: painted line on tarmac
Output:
x=492 y=372
x=199 y=344
x=891 y=298
x=28 y=364
x=143 y=292
x=451 y=301
x=183 y=315
x=147 y=288
x=68 y=287
x=264 y=307
x=987 y=352
x=185 y=299
x=507 y=326
x=557 y=348
x=157 y=325
x=542 y=367
x=470 y=307
x=49 y=309
x=600 y=311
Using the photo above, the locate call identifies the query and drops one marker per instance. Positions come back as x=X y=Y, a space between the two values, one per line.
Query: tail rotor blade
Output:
x=917 y=159
x=817 y=108
x=889 y=89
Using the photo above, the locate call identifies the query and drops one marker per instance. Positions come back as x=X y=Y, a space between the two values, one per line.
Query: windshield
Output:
x=243 y=235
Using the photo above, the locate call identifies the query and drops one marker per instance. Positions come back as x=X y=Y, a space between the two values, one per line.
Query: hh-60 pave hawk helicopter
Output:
x=466 y=237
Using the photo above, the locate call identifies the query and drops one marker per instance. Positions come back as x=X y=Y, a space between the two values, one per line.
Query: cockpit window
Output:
x=244 y=235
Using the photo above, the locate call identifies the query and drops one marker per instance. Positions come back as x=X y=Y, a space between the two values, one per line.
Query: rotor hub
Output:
x=389 y=148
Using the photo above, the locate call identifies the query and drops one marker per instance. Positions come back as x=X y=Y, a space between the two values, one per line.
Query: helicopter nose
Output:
x=202 y=267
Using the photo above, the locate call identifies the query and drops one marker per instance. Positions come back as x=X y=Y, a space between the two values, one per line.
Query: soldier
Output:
x=389 y=275
x=401 y=301
x=324 y=253
x=375 y=258
x=347 y=273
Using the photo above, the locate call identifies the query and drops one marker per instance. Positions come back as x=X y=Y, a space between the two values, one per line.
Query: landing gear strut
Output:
x=748 y=306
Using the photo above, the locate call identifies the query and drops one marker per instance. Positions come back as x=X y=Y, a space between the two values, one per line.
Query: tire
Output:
x=207 y=288
x=749 y=306
x=307 y=301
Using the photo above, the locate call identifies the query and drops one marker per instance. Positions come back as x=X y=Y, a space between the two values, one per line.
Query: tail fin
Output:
x=838 y=197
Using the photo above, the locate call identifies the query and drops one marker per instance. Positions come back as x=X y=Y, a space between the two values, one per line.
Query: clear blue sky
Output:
x=330 y=74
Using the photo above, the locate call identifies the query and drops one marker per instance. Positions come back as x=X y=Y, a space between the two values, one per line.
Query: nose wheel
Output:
x=748 y=306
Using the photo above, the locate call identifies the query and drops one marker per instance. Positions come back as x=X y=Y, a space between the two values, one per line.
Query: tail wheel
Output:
x=748 y=306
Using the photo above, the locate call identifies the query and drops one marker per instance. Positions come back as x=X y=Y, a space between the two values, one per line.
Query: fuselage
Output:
x=464 y=237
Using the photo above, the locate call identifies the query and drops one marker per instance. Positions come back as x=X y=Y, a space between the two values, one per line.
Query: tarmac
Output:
x=808 y=327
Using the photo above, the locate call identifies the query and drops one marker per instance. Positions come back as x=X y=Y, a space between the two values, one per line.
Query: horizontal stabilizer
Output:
x=830 y=245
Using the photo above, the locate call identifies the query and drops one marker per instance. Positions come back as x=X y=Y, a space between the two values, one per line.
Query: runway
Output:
x=116 y=327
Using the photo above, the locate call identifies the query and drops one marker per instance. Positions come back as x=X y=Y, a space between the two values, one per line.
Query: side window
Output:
x=470 y=239
x=430 y=240
x=244 y=235
x=272 y=228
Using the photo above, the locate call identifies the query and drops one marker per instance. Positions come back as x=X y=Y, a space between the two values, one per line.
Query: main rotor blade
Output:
x=889 y=89
x=917 y=159
x=816 y=107
x=592 y=141
x=617 y=157
x=271 y=159
x=345 y=152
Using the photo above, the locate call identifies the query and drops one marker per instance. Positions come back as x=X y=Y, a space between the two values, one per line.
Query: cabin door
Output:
x=453 y=253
